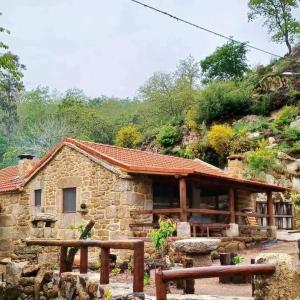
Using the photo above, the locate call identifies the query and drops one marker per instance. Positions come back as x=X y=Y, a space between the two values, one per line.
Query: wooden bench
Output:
x=207 y=228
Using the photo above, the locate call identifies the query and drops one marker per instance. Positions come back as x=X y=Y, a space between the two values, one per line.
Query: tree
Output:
x=128 y=136
x=228 y=62
x=278 y=19
x=10 y=84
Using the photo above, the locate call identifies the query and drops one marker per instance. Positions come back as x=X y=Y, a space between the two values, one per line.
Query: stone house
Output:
x=121 y=189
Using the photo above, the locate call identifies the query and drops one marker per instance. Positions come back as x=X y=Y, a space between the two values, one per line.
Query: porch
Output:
x=210 y=204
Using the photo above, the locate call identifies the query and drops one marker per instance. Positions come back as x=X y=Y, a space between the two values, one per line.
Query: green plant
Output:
x=291 y=134
x=261 y=160
x=116 y=271
x=262 y=105
x=296 y=198
x=223 y=99
x=159 y=236
x=286 y=115
x=237 y=259
x=107 y=294
x=169 y=135
x=128 y=136
x=147 y=278
x=220 y=137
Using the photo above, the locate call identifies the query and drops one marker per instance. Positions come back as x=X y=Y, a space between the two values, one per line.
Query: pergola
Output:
x=232 y=185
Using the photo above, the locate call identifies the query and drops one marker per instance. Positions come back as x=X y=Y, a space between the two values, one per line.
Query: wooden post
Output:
x=270 y=206
x=231 y=205
x=252 y=277
x=189 y=286
x=299 y=248
x=138 y=267
x=183 y=201
x=104 y=268
x=161 y=287
x=63 y=259
x=83 y=268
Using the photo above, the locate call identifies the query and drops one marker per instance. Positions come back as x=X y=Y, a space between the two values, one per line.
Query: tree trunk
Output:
x=73 y=250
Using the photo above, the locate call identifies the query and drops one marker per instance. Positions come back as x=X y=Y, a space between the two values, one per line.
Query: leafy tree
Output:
x=169 y=95
x=228 y=62
x=222 y=99
x=10 y=84
x=128 y=136
x=278 y=19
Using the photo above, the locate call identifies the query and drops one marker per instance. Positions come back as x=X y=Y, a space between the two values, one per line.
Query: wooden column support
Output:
x=83 y=268
x=138 y=267
x=231 y=205
x=270 y=206
x=183 y=200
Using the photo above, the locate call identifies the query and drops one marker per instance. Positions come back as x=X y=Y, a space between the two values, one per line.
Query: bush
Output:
x=222 y=99
x=128 y=136
x=168 y=136
x=287 y=115
x=262 y=105
x=291 y=134
x=220 y=137
x=159 y=236
x=261 y=160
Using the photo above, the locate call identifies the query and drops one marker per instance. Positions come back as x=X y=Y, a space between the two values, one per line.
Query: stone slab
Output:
x=197 y=245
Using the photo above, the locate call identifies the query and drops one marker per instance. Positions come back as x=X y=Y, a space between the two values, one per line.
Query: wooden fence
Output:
x=162 y=277
x=136 y=245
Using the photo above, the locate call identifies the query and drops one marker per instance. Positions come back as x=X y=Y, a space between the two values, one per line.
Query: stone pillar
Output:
x=233 y=230
x=183 y=230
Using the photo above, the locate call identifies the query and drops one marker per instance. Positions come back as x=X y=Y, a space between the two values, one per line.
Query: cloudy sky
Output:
x=111 y=47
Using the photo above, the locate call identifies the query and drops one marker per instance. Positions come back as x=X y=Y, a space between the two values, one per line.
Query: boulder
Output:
x=197 y=245
x=284 y=283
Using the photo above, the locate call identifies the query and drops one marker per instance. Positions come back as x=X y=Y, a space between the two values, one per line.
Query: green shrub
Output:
x=296 y=198
x=128 y=136
x=159 y=236
x=168 y=136
x=291 y=134
x=286 y=115
x=147 y=278
x=262 y=105
x=222 y=99
x=261 y=160
x=220 y=137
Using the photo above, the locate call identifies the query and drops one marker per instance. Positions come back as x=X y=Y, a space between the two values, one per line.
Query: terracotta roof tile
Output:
x=9 y=179
x=131 y=161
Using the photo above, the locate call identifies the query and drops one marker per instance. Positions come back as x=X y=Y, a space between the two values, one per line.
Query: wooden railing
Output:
x=162 y=277
x=136 y=245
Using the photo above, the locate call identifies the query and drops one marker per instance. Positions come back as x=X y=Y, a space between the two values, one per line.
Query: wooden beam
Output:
x=183 y=201
x=231 y=205
x=270 y=206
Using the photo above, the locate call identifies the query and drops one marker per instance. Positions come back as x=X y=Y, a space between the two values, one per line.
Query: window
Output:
x=69 y=200
x=37 y=197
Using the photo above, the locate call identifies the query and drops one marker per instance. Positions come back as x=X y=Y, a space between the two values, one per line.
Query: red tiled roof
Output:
x=138 y=161
x=9 y=179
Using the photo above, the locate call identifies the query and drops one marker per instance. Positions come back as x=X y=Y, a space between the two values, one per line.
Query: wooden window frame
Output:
x=34 y=197
x=63 y=207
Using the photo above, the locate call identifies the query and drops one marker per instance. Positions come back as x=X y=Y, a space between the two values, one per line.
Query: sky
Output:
x=111 y=47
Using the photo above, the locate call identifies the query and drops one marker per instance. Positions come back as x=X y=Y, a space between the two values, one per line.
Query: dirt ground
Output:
x=211 y=286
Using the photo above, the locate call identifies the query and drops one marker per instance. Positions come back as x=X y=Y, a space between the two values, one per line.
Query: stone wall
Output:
x=108 y=195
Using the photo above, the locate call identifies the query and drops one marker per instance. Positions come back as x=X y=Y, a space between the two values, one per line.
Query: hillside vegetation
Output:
x=257 y=114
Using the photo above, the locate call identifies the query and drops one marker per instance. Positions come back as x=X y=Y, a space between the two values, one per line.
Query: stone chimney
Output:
x=235 y=166
x=25 y=164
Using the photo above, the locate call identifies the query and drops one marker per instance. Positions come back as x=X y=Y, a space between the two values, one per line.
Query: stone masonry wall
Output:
x=108 y=198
